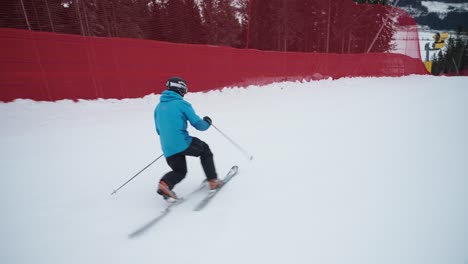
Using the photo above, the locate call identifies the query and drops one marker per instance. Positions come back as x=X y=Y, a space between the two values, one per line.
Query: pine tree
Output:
x=12 y=15
x=193 y=23
x=92 y=18
x=209 y=21
x=140 y=17
x=36 y=12
x=453 y=59
x=157 y=20
x=40 y=15
x=228 y=27
x=464 y=64
x=175 y=28
x=64 y=17
x=267 y=24
x=243 y=14
x=125 y=17
x=320 y=26
x=454 y=55
x=438 y=63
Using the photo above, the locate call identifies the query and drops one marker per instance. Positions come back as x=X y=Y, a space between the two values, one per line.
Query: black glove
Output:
x=208 y=120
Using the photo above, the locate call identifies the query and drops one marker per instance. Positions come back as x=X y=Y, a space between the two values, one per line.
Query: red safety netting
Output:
x=48 y=66
x=250 y=42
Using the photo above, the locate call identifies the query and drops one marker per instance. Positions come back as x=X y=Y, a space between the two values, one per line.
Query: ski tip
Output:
x=133 y=235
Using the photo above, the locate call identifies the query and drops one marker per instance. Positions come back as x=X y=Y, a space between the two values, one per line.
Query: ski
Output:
x=212 y=193
x=165 y=212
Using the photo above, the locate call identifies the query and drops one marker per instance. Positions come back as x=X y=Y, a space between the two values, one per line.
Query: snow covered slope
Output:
x=358 y=170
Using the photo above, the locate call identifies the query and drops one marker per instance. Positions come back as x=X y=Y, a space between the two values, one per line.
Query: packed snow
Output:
x=355 y=170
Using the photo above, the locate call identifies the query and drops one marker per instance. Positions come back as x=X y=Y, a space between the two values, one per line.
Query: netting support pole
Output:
x=380 y=30
x=248 y=25
x=25 y=15
x=77 y=7
x=328 y=27
x=50 y=16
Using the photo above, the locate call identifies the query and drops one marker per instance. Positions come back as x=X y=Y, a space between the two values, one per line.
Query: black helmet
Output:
x=177 y=85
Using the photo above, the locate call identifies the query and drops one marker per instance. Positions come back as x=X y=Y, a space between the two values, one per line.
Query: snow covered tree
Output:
x=454 y=58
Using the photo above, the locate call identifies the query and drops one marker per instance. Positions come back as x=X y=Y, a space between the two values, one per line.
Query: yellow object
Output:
x=440 y=37
x=438 y=45
x=428 y=65
x=439 y=40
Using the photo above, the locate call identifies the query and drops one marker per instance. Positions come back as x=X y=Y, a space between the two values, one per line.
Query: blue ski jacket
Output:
x=170 y=117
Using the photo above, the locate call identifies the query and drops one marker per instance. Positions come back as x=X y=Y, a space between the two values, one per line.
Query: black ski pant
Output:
x=178 y=163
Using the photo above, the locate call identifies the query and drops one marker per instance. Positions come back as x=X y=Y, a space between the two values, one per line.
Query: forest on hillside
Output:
x=456 y=18
x=339 y=26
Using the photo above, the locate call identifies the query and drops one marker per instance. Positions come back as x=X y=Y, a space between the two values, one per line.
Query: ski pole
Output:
x=250 y=157
x=136 y=174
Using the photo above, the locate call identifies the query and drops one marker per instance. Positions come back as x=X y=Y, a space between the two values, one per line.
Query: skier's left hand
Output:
x=208 y=120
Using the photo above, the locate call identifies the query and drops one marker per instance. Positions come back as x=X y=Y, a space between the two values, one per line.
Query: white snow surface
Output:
x=355 y=170
x=442 y=9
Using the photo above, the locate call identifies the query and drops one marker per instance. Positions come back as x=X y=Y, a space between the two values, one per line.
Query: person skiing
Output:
x=171 y=116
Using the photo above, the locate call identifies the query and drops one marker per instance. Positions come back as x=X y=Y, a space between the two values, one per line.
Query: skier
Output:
x=171 y=116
